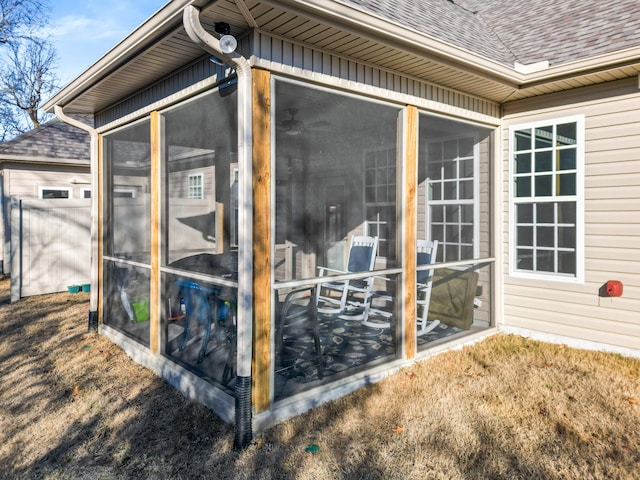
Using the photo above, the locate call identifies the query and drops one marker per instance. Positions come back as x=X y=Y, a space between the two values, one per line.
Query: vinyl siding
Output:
x=24 y=182
x=612 y=222
x=341 y=70
x=304 y=62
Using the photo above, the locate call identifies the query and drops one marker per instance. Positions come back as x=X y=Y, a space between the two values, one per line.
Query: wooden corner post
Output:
x=409 y=226
x=261 y=361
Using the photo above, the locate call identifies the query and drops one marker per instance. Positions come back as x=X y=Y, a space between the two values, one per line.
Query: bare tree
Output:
x=18 y=18
x=26 y=80
x=27 y=71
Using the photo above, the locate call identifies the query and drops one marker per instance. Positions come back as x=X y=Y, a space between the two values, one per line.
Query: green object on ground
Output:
x=313 y=448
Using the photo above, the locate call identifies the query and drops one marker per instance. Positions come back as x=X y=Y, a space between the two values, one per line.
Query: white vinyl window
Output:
x=196 y=190
x=85 y=193
x=547 y=195
x=47 y=193
x=453 y=182
x=380 y=197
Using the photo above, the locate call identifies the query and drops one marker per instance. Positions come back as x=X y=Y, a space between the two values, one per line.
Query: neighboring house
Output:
x=505 y=130
x=49 y=162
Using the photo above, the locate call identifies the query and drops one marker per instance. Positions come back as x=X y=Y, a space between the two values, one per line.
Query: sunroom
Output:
x=270 y=237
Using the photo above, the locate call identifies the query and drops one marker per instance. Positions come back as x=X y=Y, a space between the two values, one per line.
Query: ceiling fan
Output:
x=293 y=126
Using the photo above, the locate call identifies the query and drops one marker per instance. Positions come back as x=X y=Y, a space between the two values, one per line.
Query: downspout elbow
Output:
x=208 y=42
x=75 y=123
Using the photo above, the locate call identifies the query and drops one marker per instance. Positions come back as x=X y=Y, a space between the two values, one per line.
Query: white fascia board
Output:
x=35 y=160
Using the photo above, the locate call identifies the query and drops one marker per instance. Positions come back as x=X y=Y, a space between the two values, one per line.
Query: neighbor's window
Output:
x=195 y=186
x=124 y=193
x=47 y=193
x=547 y=198
x=85 y=193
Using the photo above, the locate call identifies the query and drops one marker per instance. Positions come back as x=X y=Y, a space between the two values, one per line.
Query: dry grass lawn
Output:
x=73 y=405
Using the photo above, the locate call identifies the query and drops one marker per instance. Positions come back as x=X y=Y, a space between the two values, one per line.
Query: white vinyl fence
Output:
x=50 y=245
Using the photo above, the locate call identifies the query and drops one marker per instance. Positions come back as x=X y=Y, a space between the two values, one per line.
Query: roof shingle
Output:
x=524 y=31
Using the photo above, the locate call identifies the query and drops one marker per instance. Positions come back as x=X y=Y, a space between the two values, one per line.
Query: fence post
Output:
x=16 y=249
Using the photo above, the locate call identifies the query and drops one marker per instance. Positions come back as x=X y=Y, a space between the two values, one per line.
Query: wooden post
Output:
x=154 y=293
x=409 y=257
x=261 y=362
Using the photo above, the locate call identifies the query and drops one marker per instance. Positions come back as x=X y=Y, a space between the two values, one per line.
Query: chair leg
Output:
x=205 y=341
x=428 y=326
x=227 y=373
x=185 y=333
x=316 y=337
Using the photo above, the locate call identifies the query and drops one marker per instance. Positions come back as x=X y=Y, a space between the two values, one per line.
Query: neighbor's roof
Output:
x=523 y=31
x=53 y=140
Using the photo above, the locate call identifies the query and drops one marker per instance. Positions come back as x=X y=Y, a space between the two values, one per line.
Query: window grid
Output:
x=380 y=197
x=451 y=182
x=545 y=198
x=195 y=186
x=47 y=193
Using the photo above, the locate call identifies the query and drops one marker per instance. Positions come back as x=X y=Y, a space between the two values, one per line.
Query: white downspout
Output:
x=93 y=302
x=197 y=33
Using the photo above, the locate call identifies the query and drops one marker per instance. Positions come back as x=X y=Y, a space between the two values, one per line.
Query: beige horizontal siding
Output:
x=24 y=183
x=598 y=333
x=565 y=300
x=612 y=221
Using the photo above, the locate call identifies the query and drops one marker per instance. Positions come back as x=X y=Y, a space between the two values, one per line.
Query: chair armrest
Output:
x=328 y=269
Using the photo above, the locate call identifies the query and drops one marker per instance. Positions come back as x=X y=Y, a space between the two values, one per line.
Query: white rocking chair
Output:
x=347 y=296
x=426 y=255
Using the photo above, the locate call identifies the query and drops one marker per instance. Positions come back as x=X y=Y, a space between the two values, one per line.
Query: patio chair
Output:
x=350 y=298
x=297 y=319
x=426 y=255
x=198 y=302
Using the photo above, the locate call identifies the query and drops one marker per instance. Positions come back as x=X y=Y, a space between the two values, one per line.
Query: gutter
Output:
x=211 y=44
x=93 y=149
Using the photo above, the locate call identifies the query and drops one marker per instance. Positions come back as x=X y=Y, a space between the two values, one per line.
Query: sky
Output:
x=82 y=31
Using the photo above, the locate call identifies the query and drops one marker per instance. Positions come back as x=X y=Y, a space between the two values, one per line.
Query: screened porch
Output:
x=358 y=190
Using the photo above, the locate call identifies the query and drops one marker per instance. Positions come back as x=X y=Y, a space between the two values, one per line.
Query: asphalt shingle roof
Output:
x=524 y=31
x=53 y=139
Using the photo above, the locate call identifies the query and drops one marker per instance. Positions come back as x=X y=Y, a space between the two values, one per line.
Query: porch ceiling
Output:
x=161 y=46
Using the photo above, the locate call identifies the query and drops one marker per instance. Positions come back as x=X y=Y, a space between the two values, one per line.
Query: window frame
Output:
x=381 y=224
x=41 y=190
x=458 y=202
x=191 y=188
x=578 y=198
